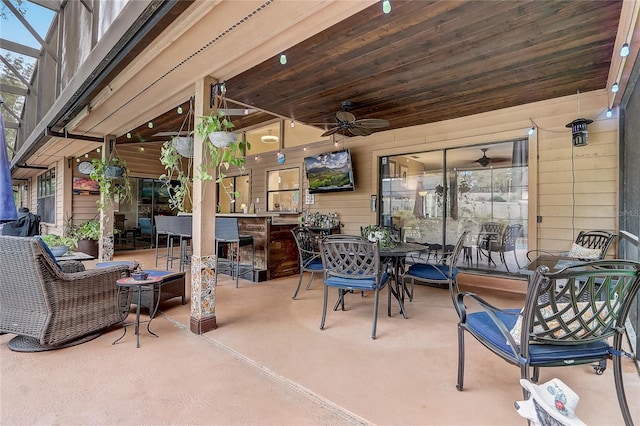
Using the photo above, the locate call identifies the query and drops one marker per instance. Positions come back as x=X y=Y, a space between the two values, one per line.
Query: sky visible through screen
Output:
x=37 y=16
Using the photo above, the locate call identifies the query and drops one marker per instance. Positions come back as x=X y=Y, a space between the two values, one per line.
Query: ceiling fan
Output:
x=346 y=122
x=484 y=161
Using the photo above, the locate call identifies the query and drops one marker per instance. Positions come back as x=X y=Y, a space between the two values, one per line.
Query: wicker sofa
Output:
x=48 y=308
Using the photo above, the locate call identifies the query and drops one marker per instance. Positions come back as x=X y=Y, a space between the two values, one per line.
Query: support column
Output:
x=105 y=244
x=203 y=292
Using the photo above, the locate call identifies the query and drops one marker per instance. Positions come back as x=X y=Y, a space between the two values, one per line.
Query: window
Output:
x=283 y=190
x=46 y=195
x=238 y=197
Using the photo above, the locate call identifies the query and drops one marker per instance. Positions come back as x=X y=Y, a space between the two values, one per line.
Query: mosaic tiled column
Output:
x=203 y=293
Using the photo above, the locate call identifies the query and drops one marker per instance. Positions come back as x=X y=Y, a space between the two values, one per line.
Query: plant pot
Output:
x=184 y=145
x=222 y=139
x=59 y=250
x=113 y=171
x=89 y=247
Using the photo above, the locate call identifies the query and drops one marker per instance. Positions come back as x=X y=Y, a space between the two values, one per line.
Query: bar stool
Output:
x=162 y=229
x=180 y=227
x=228 y=236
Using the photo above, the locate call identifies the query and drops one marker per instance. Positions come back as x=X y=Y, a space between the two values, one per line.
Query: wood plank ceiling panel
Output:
x=429 y=61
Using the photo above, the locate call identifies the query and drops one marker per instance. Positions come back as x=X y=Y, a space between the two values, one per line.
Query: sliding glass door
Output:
x=435 y=196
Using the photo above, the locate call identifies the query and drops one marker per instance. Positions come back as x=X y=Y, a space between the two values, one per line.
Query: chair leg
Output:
x=619 y=382
x=375 y=314
x=310 y=281
x=324 y=306
x=298 y=287
x=460 y=384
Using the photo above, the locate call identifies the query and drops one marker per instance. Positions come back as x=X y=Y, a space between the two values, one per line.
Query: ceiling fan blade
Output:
x=360 y=131
x=345 y=117
x=372 y=123
x=330 y=132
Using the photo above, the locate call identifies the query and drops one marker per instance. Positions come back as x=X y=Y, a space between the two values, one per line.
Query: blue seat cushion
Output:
x=115 y=263
x=355 y=283
x=428 y=271
x=48 y=251
x=314 y=265
x=163 y=274
x=481 y=324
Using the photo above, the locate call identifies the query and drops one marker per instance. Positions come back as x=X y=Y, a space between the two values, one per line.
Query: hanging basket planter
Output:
x=184 y=145
x=222 y=139
x=114 y=171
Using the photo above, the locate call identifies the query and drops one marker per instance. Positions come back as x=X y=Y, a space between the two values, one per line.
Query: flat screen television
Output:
x=330 y=172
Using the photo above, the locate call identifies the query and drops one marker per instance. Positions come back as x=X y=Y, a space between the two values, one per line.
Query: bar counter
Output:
x=276 y=252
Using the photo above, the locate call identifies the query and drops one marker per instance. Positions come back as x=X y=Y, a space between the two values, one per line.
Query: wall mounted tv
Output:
x=330 y=172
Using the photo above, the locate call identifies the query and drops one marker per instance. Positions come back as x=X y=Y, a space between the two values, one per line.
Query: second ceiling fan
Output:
x=347 y=122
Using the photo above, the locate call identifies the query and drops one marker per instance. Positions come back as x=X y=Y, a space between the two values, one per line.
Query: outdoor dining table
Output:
x=395 y=255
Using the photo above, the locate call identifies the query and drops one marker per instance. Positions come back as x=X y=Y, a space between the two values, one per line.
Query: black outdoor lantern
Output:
x=579 y=131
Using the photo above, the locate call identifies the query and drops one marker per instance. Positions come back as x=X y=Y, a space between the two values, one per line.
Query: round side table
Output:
x=130 y=284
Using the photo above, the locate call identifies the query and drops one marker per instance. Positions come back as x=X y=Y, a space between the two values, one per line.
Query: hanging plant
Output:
x=113 y=179
x=221 y=149
x=172 y=161
x=183 y=145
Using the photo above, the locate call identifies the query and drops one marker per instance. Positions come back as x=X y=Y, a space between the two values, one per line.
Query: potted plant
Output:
x=112 y=177
x=59 y=245
x=216 y=128
x=87 y=234
x=217 y=155
x=172 y=160
x=380 y=234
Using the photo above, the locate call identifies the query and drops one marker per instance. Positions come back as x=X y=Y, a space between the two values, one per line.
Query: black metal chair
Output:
x=440 y=275
x=571 y=317
x=352 y=264
x=489 y=232
x=598 y=240
x=507 y=243
x=308 y=255
x=228 y=243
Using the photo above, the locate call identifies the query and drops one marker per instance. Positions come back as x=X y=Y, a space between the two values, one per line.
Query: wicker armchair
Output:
x=48 y=308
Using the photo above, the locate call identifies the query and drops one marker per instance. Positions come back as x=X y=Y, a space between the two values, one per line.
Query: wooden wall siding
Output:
x=550 y=179
x=145 y=163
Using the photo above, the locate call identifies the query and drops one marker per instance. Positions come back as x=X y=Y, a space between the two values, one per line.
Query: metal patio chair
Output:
x=571 y=317
x=352 y=264
x=308 y=255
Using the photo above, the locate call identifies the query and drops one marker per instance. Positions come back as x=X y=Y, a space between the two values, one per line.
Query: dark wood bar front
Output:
x=276 y=254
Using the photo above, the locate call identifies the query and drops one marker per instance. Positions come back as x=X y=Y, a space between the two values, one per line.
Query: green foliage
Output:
x=89 y=230
x=53 y=240
x=111 y=185
x=172 y=162
x=220 y=159
x=213 y=123
x=380 y=234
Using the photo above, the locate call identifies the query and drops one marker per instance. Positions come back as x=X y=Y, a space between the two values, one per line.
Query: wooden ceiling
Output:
x=429 y=61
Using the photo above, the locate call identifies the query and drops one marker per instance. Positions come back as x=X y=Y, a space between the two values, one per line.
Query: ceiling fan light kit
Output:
x=484 y=161
x=346 y=123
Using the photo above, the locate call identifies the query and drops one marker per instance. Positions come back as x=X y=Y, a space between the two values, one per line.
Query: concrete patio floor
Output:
x=269 y=364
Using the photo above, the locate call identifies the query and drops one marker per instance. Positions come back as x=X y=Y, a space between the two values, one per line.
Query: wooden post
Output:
x=203 y=292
